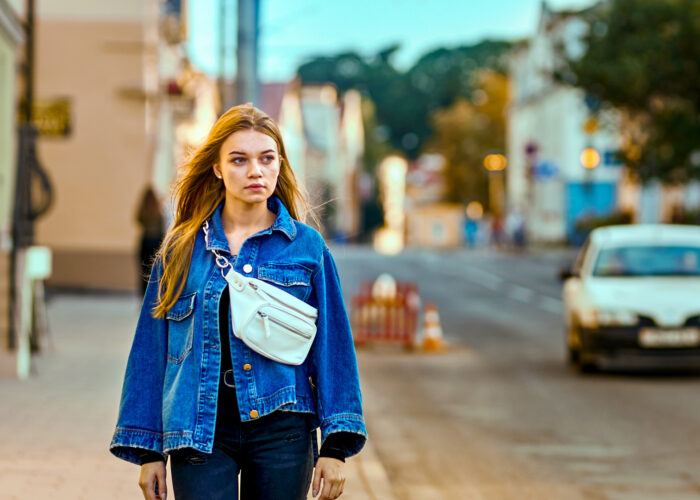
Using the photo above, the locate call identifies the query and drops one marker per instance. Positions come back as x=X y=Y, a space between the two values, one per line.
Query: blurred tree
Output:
x=405 y=101
x=643 y=58
x=466 y=132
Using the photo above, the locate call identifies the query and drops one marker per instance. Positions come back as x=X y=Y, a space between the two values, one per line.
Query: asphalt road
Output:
x=500 y=415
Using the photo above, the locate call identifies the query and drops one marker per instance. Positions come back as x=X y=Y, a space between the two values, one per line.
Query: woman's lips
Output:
x=256 y=187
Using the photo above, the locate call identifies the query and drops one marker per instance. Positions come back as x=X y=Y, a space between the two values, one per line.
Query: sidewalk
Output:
x=56 y=426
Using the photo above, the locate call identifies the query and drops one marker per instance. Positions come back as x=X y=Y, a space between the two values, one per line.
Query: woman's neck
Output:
x=239 y=217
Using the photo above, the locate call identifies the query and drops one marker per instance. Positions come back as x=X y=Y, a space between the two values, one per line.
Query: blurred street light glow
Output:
x=590 y=158
x=388 y=241
x=495 y=162
x=392 y=176
x=475 y=210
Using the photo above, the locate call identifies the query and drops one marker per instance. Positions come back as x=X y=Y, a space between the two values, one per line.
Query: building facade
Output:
x=121 y=70
x=549 y=125
x=10 y=38
x=546 y=135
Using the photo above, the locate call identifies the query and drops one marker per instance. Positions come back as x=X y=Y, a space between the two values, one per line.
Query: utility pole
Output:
x=247 y=85
x=225 y=43
x=30 y=202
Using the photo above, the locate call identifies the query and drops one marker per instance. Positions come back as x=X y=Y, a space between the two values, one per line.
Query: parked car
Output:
x=633 y=296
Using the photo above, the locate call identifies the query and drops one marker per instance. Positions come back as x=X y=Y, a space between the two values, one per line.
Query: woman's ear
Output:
x=217 y=170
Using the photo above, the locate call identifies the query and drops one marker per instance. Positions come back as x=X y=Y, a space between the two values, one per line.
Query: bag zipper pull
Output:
x=266 y=325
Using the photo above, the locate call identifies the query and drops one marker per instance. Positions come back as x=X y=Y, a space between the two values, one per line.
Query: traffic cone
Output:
x=432 y=331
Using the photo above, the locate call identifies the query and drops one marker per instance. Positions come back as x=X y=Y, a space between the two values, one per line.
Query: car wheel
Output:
x=572 y=355
x=573 y=346
x=586 y=365
x=576 y=354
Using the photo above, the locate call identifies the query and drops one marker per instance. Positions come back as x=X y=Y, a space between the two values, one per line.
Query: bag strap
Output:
x=238 y=281
x=221 y=261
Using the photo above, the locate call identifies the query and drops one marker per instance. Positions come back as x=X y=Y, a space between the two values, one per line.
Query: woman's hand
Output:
x=331 y=471
x=153 y=474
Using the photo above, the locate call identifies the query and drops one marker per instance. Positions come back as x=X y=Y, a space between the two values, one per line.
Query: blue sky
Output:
x=293 y=31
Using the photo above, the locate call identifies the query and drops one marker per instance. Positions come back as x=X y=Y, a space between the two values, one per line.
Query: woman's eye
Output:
x=268 y=158
x=238 y=161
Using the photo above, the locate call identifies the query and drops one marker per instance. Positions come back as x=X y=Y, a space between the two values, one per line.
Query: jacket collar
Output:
x=283 y=223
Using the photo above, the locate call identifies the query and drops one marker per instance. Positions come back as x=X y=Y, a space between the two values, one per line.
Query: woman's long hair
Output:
x=198 y=192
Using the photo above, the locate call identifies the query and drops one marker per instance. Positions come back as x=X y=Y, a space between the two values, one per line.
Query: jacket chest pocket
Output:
x=292 y=278
x=181 y=328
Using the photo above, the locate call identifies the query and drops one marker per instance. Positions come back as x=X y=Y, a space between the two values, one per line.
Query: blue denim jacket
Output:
x=170 y=388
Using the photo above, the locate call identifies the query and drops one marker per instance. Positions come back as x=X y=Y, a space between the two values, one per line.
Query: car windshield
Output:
x=648 y=261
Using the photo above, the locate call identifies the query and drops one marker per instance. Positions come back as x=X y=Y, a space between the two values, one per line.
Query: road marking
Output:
x=513 y=291
x=490 y=281
x=549 y=304
x=521 y=293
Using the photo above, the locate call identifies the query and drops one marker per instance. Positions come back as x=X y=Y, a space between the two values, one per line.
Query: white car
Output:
x=633 y=295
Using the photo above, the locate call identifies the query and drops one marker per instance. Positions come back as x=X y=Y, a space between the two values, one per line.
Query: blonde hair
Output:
x=198 y=192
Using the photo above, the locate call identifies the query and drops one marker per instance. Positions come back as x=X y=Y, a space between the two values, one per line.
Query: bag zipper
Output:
x=266 y=317
x=291 y=306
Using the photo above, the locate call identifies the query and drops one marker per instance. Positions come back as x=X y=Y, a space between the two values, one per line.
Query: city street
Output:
x=501 y=415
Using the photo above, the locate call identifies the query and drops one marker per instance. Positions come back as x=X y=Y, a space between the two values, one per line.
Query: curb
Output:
x=368 y=474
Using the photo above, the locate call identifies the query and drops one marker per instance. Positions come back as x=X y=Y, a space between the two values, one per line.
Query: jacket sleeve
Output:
x=333 y=365
x=139 y=425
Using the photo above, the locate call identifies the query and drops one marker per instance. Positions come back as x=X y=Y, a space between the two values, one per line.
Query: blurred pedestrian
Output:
x=515 y=228
x=471 y=229
x=497 y=230
x=193 y=390
x=150 y=218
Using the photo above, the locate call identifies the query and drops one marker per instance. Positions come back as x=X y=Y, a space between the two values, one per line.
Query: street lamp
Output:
x=495 y=163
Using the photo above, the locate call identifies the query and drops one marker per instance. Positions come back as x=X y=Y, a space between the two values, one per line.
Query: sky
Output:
x=294 y=31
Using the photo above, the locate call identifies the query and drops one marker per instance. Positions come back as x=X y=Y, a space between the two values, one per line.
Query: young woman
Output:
x=195 y=392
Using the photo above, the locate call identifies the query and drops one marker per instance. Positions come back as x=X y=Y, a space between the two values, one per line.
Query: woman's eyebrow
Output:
x=244 y=154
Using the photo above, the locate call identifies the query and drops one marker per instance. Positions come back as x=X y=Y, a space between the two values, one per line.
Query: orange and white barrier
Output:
x=386 y=313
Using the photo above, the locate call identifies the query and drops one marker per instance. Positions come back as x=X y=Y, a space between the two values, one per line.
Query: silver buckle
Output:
x=226 y=381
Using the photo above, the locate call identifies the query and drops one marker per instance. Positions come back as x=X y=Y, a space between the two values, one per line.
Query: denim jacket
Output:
x=169 y=395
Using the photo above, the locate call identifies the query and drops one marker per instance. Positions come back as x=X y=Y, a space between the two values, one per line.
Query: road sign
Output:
x=545 y=170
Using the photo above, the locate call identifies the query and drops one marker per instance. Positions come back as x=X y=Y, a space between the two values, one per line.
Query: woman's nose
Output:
x=255 y=169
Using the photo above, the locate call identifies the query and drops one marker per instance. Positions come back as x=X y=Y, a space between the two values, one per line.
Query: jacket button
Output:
x=247 y=367
x=247 y=268
x=254 y=414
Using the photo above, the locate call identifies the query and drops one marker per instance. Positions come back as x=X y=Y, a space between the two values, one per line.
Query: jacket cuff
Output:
x=351 y=424
x=130 y=444
x=149 y=456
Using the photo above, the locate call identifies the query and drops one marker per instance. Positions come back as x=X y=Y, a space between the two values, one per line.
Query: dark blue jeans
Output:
x=273 y=455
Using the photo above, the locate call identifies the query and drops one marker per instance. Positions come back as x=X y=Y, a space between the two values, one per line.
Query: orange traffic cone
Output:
x=432 y=331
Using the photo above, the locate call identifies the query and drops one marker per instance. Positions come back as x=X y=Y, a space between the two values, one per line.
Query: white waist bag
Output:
x=270 y=321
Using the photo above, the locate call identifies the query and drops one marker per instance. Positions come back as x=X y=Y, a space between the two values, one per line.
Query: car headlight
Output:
x=594 y=317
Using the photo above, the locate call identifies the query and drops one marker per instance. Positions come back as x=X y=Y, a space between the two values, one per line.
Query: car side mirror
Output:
x=566 y=272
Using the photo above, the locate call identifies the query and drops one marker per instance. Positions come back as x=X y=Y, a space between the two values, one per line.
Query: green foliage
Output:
x=405 y=100
x=643 y=58
x=466 y=132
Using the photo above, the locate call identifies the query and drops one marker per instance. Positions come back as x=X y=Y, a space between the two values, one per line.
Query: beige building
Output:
x=435 y=225
x=429 y=221
x=10 y=37
x=102 y=58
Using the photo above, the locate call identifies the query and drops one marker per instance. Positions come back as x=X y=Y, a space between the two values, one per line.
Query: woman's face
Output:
x=248 y=165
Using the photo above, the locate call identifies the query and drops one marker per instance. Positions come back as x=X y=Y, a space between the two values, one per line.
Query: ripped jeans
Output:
x=273 y=455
